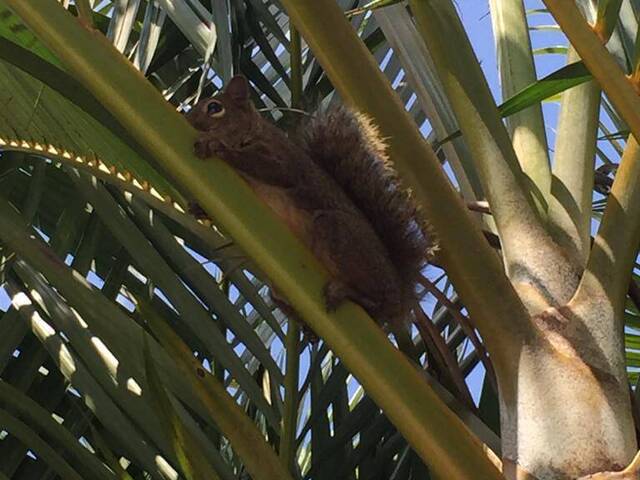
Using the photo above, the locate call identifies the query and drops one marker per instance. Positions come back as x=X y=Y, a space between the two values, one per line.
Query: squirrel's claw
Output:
x=201 y=148
x=206 y=147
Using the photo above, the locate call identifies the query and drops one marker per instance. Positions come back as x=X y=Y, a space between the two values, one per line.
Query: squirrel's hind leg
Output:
x=335 y=292
x=359 y=267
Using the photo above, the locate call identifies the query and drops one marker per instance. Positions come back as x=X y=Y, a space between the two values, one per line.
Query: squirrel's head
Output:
x=227 y=113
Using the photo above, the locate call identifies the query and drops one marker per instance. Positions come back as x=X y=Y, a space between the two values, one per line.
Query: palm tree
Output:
x=141 y=343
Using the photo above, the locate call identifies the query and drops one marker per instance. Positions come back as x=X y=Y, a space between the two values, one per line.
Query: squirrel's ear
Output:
x=238 y=89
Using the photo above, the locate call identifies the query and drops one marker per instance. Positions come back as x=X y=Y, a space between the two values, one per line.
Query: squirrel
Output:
x=332 y=185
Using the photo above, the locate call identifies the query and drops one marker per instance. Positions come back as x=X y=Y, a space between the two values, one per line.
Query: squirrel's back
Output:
x=349 y=148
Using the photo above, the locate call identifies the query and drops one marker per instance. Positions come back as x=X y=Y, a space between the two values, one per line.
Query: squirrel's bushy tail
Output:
x=348 y=146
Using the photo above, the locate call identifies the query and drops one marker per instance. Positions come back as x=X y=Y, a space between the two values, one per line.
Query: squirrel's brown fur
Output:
x=335 y=192
x=350 y=149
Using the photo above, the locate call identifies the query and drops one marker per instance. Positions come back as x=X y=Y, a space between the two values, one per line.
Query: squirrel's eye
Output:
x=215 y=109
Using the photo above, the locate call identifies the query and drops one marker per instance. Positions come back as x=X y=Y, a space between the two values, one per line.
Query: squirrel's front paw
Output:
x=200 y=148
x=207 y=147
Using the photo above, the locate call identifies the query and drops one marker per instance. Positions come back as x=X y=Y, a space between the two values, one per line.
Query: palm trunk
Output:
x=568 y=412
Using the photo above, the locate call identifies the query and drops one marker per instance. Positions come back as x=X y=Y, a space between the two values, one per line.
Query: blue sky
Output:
x=477 y=21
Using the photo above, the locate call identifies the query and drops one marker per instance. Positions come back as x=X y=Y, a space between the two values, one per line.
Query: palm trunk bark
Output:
x=567 y=414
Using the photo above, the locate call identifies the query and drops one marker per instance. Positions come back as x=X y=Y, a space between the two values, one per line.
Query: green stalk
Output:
x=124 y=340
x=635 y=71
x=155 y=266
x=42 y=449
x=600 y=63
x=517 y=71
x=217 y=367
x=396 y=23
x=290 y=415
x=100 y=400
x=292 y=344
x=16 y=402
x=296 y=68
x=616 y=244
x=103 y=449
x=608 y=12
x=434 y=432
x=573 y=166
x=536 y=277
x=247 y=440
x=85 y=13
x=374 y=5
x=189 y=453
